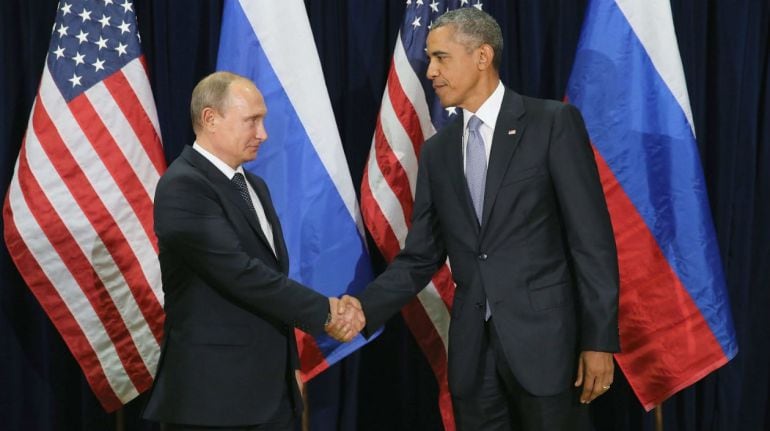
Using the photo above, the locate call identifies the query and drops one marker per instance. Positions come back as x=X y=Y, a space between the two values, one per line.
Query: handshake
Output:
x=346 y=318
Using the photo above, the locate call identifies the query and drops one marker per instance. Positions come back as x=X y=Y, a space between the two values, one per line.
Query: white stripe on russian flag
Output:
x=295 y=61
x=651 y=22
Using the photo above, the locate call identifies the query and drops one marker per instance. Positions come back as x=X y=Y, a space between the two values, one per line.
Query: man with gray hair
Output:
x=510 y=192
x=229 y=357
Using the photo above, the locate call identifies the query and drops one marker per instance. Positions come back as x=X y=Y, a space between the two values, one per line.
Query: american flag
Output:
x=411 y=113
x=78 y=214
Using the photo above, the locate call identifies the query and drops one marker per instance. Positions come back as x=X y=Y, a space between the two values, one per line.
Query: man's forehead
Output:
x=441 y=36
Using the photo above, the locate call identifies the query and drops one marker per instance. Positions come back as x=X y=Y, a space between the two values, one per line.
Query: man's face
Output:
x=452 y=68
x=240 y=129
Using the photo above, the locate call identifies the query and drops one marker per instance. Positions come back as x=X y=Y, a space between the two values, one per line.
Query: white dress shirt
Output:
x=487 y=113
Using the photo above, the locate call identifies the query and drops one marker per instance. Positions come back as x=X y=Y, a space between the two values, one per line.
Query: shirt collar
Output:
x=488 y=110
x=216 y=161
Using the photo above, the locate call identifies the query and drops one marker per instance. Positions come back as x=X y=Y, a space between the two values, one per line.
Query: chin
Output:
x=447 y=101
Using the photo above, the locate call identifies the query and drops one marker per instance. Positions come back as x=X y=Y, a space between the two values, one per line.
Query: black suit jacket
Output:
x=229 y=351
x=544 y=254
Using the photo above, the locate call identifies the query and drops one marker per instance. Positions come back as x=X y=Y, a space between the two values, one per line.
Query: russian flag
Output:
x=628 y=81
x=302 y=161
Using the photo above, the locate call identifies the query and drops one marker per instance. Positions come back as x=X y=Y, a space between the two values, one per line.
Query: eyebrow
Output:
x=435 y=53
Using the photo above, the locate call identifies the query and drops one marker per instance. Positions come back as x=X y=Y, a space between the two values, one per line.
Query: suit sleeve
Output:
x=423 y=253
x=591 y=243
x=190 y=223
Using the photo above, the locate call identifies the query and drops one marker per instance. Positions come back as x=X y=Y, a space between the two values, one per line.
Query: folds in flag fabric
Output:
x=78 y=213
x=628 y=81
x=410 y=113
x=302 y=161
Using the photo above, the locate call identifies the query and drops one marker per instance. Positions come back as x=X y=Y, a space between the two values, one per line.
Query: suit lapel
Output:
x=226 y=188
x=272 y=217
x=508 y=131
x=455 y=163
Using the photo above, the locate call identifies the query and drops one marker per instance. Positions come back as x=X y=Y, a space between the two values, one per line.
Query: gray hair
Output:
x=474 y=28
x=211 y=92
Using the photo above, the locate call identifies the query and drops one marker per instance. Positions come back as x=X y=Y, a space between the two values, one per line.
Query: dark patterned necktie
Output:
x=240 y=182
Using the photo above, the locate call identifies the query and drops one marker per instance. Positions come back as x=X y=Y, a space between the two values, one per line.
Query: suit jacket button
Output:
x=483 y=256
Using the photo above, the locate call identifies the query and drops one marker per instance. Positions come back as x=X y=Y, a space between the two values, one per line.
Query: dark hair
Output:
x=474 y=28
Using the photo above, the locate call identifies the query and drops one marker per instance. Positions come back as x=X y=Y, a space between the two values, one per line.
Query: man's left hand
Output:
x=595 y=374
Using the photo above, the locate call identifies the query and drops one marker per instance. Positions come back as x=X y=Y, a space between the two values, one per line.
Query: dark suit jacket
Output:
x=229 y=351
x=544 y=254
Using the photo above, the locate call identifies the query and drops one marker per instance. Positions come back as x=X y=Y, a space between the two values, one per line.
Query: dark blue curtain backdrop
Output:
x=725 y=47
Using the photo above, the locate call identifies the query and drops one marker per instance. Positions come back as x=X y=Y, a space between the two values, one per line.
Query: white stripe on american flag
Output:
x=117 y=124
x=436 y=311
x=70 y=293
x=136 y=75
x=105 y=186
x=399 y=142
x=386 y=199
x=71 y=215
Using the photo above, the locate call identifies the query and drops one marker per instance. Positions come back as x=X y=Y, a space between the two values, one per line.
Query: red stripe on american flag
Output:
x=393 y=172
x=375 y=221
x=58 y=312
x=433 y=347
x=82 y=271
x=445 y=285
x=143 y=61
x=114 y=162
x=102 y=221
x=659 y=339
x=124 y=96
x=404 y=110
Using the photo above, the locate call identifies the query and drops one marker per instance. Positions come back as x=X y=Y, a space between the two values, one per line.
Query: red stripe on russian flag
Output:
x=662 y=332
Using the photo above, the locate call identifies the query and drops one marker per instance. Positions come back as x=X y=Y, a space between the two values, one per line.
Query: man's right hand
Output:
x=347 y=318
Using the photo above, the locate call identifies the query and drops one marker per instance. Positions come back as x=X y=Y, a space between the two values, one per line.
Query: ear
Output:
x=208 y=118
x=486 y=55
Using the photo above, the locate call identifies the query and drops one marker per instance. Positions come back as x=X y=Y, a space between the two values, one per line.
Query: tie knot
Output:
x=239 y=181
x=474 y=123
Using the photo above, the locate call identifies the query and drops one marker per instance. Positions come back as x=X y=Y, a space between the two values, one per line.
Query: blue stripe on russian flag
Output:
x=640 y=129
x=313 y=195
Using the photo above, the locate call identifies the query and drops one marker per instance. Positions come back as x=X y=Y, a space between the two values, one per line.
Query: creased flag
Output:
x=410 y=113
x=78 y=214
x=302 y=161
x=628 y=81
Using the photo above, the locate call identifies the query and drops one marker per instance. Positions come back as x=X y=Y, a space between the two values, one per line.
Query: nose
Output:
x=261 y=133
x=432 y=71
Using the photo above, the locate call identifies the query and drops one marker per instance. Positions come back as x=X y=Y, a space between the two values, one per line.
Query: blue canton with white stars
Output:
x=91 y=40
x=418 y=19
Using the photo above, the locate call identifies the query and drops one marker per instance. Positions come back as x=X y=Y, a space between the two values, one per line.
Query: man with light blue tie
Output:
x=510 y=193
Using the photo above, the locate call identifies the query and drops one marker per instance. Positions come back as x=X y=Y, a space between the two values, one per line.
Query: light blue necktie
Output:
x=476 y=165
x=476 y=174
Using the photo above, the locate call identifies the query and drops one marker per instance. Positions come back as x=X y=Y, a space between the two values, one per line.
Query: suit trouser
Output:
x=500 y=403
